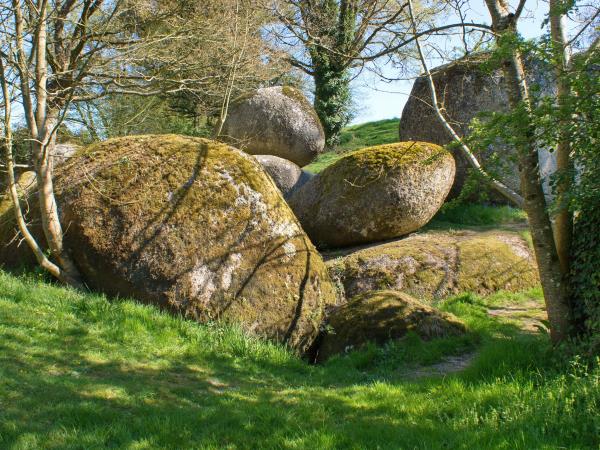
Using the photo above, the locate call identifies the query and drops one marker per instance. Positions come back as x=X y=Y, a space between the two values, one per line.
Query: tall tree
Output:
x=556 y=122
x=552 y=277
x=336 y=36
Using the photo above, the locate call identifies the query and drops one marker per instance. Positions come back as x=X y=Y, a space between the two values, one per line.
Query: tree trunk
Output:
x=563 y=221
x=332 y=99
x=551 y=275
x=43 y=149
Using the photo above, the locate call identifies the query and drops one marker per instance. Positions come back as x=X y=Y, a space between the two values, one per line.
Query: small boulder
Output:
x=438 y=264
x=379 y=317
x=288 y=177
x=374 y=194
x=276 y=121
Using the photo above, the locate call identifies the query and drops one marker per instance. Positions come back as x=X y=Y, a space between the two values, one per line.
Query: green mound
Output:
x=381 y=316
x=356 y=137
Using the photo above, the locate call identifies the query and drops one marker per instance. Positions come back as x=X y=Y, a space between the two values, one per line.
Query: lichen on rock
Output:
x=196 y=227
x=437 y=264
x=374 y=194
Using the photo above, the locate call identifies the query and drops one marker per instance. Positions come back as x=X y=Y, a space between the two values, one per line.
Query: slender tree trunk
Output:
x=551 y=275
x=500 y=187
x=42 y=122
x=40 y=256
x=563 y=221
x=49 y=209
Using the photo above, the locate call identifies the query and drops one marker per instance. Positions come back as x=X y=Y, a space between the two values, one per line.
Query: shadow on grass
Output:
x=99 y=375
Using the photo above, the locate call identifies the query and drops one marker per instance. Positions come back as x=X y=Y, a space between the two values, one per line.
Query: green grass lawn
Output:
x=79 y=371
x=356 y=137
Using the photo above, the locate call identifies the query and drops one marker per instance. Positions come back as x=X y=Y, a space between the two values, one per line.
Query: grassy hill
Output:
x=358 y=136
x=82 y=371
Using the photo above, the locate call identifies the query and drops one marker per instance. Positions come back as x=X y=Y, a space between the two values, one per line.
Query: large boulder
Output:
x=276 y=121
x=196 y=227
x=466 y=90
x=437 y=264
x=374 y=194
x=381 y=316
x=288 y=177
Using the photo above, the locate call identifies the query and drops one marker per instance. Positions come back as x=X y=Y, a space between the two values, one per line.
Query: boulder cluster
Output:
x=206 y=230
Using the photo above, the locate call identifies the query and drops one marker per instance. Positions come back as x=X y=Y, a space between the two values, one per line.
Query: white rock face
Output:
x=277 y=121
x=62 y=152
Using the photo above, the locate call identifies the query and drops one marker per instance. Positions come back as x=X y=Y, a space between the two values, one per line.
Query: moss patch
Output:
x=381 y=316
x=437 y=264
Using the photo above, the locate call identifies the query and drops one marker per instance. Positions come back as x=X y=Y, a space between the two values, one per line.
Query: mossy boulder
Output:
x=196 y=227
x=374 y=194
x=276 y=121
x=381 y=316
x=467 y=89
x=437 y=264
x=288 y=177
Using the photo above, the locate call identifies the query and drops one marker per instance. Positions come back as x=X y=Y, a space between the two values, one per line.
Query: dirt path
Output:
x=529 y=316
x=449 y=365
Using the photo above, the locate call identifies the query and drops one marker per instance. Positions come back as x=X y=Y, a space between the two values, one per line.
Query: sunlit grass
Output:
x=80 y=371
x=356 y=137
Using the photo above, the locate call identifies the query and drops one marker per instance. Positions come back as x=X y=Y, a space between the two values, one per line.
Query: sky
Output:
x=376 y=99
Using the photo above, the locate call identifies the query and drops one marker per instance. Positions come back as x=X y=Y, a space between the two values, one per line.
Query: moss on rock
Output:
x=197 y=227
x=437 y=264
x=374 y=194
x=381 y=316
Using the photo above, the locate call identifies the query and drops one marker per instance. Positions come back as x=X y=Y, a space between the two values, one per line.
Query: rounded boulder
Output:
x=467 y=89
x=196 y=227
x=288 y=177
x=375 y=194
x=382 y=316
x=276 y=121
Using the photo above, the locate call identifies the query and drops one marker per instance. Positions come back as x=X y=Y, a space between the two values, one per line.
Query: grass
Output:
x=460 y=215
x=80 y=371
x=357 y=137
x=368 y=134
